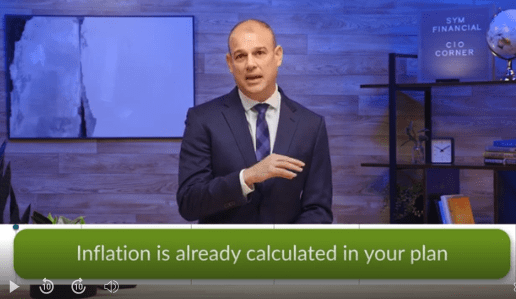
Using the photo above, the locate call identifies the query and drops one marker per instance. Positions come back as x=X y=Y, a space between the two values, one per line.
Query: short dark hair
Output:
x=262 y=23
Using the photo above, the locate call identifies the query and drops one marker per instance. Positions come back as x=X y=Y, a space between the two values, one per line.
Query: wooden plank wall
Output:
x=331 y=47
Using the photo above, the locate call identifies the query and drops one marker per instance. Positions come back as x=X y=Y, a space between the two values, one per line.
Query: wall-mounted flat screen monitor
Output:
x=98 y=77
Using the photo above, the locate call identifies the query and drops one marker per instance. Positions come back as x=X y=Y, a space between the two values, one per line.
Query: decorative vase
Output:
x=418 y=154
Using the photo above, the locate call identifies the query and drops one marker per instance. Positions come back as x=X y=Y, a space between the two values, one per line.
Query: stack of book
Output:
x=455 y=209
x=503 y=152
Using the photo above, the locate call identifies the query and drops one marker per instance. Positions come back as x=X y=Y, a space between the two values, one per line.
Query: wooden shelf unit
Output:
x=448 y=171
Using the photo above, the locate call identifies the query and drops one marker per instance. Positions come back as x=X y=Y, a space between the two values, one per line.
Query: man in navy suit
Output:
x=241 y=163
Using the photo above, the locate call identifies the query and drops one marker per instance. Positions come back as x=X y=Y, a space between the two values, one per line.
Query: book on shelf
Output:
x=500 y=161
x=456 y=209
x=500 y=155
x=446 y=216
x=493 y=148
x=505 y=143
x=440 y=212
x=460 y=210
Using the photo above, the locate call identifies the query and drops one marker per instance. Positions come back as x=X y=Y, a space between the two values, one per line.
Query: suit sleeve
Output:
x=316 y=199
x=199 y=193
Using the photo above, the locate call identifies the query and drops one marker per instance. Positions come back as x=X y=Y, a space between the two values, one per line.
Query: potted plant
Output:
x=408 y=207
x=38 y=218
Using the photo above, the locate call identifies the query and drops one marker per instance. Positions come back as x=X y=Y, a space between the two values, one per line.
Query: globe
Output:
x=501 y=39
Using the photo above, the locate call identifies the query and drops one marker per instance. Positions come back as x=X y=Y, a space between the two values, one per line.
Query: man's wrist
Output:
x=246 y=188
x=247 y=178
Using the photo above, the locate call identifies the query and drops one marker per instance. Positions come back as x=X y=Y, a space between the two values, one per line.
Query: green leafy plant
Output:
x=7 y=193
x=40 y=219
x=408 y=203
x=64 y=220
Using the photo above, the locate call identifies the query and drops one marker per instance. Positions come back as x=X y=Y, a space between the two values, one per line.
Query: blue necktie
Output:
x=263 y=147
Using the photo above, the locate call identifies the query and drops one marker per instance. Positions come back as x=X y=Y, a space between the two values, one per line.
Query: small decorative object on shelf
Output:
x=501 y=38
x=418 y=151
x=443 y=150
x=418 y=154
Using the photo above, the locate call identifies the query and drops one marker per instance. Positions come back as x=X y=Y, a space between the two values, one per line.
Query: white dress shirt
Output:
x=272 y=118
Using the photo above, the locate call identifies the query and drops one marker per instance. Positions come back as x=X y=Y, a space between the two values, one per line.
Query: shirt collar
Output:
x=248 y=103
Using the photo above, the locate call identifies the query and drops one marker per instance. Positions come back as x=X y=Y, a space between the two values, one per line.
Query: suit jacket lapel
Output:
x=286 y=127
x=236 y=120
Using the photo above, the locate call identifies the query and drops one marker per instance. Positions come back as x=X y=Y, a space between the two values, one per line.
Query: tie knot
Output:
x=261 y=108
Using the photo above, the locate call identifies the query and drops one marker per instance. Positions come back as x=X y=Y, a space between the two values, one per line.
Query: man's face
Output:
x=254 y=60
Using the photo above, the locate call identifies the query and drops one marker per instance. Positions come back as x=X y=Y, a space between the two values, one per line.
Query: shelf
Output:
x=419 y=86
x=443 y=166
x=441 y=178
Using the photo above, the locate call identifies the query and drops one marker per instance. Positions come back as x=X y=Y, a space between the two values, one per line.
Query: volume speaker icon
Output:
x=111 y=286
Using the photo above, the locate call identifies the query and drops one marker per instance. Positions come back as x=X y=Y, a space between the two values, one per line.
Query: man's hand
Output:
x=273 y=165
